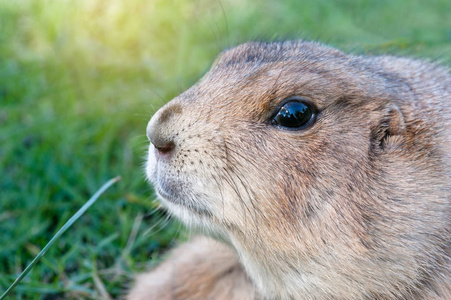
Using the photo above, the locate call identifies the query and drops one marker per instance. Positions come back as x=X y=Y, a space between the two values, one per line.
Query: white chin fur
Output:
x=179 y=211
x=151 y=163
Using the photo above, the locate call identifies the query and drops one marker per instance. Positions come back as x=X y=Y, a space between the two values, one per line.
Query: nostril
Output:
x=166 y=148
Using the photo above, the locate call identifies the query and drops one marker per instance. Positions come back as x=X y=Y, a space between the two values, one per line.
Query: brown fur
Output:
x=356 y=206
x=218 y=277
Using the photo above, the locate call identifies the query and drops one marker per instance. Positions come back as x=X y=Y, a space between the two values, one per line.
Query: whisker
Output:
x=149 y=232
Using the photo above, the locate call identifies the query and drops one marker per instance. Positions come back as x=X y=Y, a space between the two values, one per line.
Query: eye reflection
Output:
x=294 y=114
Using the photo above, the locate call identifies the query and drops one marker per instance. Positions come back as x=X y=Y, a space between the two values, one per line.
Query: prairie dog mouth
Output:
x=176 y=204
x=167 y=196
x=179 y=195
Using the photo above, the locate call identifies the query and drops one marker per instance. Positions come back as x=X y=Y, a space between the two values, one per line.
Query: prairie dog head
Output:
x=326 y=172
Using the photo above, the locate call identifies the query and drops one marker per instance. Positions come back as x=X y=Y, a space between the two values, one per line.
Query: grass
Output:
x=59 y=233
x=79 y=79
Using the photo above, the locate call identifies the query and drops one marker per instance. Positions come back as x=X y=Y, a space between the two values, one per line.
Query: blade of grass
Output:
x=69 y=223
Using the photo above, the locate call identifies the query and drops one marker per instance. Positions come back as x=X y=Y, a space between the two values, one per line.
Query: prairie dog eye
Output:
x=295 y=113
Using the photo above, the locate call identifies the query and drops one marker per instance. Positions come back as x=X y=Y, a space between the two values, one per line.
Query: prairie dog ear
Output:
x=388 y=132
x=396 y=124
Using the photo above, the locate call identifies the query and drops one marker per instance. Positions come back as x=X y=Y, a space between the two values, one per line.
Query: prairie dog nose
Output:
x=159 y=129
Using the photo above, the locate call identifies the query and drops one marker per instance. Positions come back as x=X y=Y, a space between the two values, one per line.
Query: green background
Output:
x=79 y=81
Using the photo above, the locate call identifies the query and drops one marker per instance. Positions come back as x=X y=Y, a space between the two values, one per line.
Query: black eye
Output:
x=294 y=114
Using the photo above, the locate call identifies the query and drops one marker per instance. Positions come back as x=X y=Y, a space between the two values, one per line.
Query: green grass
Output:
x=80 y=79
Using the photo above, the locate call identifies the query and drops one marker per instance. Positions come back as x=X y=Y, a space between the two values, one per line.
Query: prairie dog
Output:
x=315 y=175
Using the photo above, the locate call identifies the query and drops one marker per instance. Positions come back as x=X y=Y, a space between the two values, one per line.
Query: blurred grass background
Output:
x=79 y=79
